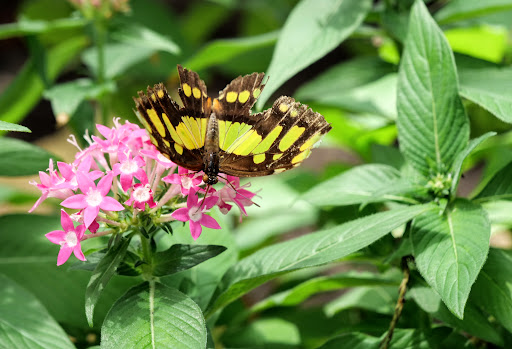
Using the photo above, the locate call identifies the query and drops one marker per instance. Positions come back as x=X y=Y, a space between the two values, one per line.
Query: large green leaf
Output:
x=313 y=29
x=309 y=251
x=380 y=299
x=475 y=322
x=181 y=257
x=338 y=81
x=153 y=315
x=493 y=291
x=499 y=187
x=25 y=323
x=222 y=50
x=490 y=88
x=26 y=89
x=28 y=258
x=432 y=123
x=19 y=158
x=450 y=248
x=303 y=291
x=457 y=10
x=361 y=184
x=101 y=275
x=143 y=38
x=459 y=160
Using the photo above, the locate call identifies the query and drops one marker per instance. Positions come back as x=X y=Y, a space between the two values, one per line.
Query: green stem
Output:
x=146 y=252
x=100 y=35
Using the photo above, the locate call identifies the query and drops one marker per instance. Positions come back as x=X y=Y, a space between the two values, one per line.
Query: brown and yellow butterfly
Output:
x=223 y=136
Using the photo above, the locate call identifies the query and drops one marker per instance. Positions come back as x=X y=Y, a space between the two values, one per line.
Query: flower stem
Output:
x=98 y=234
x=399 y=305
x=100 y=35
x=147 y=257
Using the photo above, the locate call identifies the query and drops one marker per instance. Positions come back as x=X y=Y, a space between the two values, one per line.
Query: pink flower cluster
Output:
x=126 y=165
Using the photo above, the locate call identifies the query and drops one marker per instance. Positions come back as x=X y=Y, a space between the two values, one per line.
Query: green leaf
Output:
x=458 y=10
x=154 y=316
x=264 y=333
x=432 y=123
x=19 y=158
x=490 y=88
x=119 y=57
x=8 y=126
x=303 y=291
x=67 y=97
x=28 y=258
x=101 y=275
x=381 y=300
x=438 y=337
x=25 y=323
x=339 y=80
x=207 y=275
x=27 y=26
x=483 y=42
x=499 y=187
x=181 y=257
x=222 y=50
x=26 y=89
x=309 y=251
x=450 y=248
x=357 y=185
x=313 y=29
x=459 y=160
x=144 y=38
x=492 y=290
x=475 y=322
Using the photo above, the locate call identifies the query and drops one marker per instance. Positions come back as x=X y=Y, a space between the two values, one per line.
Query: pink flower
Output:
x=140 y=196
x=94 y=197
x=187 y=181
x=233 y=192
x=52 y=185
x=130 y=167
x=69 y=171
x=154 y=154
x=68 y=239
x=194 y=213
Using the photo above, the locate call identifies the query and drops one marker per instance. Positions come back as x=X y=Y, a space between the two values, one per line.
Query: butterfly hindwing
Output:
x=165 y=123
x=279 y=139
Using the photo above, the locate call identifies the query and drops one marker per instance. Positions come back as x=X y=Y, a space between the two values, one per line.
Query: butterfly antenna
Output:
x=208 y=186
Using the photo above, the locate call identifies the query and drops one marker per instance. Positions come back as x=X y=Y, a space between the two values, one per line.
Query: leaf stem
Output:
x=399 y=305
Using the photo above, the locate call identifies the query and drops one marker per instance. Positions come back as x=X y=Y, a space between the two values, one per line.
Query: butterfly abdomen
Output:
x=211 y=151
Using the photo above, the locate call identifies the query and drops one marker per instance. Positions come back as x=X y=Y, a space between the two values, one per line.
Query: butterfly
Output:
x=221 y=135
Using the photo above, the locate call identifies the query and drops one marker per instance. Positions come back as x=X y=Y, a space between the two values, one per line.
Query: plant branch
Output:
x=399 y=305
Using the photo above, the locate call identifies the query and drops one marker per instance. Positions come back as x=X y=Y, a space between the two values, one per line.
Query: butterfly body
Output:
x=222 y=136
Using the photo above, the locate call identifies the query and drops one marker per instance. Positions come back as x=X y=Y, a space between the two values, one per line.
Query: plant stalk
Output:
x=399 y=305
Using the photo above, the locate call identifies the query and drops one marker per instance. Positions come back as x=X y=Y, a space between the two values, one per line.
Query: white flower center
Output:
x=129 y=166
x=94 y=198
x=142 y=194
x=186 y=182
x=70 y=239
x=195 y=213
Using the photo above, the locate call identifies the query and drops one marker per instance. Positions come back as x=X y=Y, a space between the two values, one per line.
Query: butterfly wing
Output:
x=273 y=141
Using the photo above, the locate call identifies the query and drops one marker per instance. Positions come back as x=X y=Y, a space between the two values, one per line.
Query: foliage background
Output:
x=53 y=83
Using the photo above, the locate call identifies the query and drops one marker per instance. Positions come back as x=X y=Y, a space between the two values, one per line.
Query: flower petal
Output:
x=76 y=201
x=105 y=184
x=66 y=221
x=56 y=236
x=209 y=222
x=90 y=214
x=77 y=250
x=111 y=204
x=64 y=254
x=195 y=229
x=84 y=182
x=181 y=214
